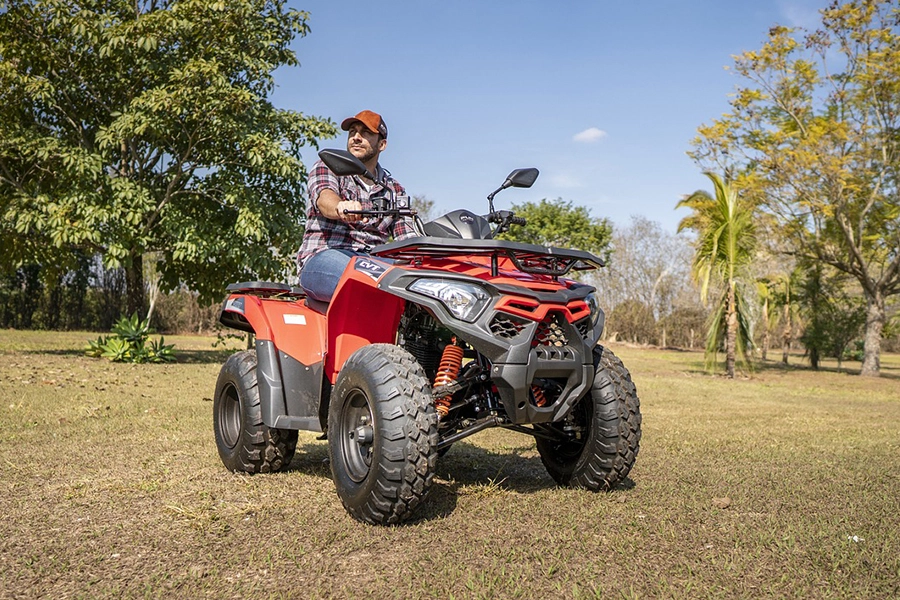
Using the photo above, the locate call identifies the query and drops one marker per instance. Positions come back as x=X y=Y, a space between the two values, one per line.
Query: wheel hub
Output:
x=359 y=436
x=364 y=434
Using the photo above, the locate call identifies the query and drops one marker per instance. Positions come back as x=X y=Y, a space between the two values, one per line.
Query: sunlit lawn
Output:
x=783 y=483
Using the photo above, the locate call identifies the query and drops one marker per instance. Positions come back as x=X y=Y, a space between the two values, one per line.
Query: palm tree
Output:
x=724 y=249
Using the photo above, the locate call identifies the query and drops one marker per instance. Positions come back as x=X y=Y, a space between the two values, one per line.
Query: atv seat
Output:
x=317 y=305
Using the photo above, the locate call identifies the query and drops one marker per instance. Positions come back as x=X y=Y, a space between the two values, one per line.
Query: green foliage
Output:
x=84 y=297
x=133 y=330
x=129 y=343
x=812 y=133
x=95 y=348
x=559 y=223
x=135 y=127
x=835 y=319
x=724 y=251
x=224 y=340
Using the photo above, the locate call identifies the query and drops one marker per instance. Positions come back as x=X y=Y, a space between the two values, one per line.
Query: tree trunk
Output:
x=786 y=336
x=730 y=333
x=875 y=317
x=152 y=277
x=765 y=320
x=134 y=286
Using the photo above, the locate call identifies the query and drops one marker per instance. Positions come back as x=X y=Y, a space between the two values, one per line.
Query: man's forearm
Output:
x=333 y=206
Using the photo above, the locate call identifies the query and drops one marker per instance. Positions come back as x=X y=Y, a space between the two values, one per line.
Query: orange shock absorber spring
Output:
x=539 y=398
x=448 y=370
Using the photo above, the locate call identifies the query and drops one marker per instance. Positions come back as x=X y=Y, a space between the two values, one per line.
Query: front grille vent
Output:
x=507 y=326
x=585 y=328
x=550 y=333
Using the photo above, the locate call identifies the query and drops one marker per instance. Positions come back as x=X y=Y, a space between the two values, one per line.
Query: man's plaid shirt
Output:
x=322 y=232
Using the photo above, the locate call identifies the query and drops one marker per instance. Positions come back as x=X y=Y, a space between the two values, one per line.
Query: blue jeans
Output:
x=322 y=271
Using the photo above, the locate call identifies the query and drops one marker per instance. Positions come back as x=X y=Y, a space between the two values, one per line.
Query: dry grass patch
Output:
x=781 y=484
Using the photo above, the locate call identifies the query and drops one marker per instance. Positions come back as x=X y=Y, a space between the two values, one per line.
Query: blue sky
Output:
x=602 y=96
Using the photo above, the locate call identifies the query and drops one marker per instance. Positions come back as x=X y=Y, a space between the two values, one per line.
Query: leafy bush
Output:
x=129 y=343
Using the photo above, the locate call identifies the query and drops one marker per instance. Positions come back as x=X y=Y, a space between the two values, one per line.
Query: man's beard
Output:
x=367 y=155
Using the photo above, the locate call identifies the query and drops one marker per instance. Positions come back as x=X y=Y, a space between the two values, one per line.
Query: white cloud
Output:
x=802 y=14
x=590 y=135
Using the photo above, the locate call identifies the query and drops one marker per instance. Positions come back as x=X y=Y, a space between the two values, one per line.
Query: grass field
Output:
x=783 y=484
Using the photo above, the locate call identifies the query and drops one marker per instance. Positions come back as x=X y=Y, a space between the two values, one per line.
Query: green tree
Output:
x=764 y=293
x=784 y=295
x=723 y=253
x=561 y=224
x=814 y=135
x=834 y=317
x=131 y=127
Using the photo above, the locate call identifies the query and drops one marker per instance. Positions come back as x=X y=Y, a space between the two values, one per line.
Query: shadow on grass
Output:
x=776 y=366
x=889 y=372
x=55 y=352
x=465 y=469
x=181 y=356
x=203 y=356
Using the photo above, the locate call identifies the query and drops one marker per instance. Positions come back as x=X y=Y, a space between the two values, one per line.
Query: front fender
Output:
x=360 y=313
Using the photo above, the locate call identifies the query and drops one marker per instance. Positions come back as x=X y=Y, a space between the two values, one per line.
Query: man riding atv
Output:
x=335 y=231
x=396 y=351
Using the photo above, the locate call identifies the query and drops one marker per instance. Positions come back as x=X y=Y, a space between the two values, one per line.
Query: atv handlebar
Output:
x=396 y=212
x=504 y=218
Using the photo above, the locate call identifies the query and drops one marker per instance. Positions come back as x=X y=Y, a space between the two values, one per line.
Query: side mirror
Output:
x=522 y=178
x=343 y=163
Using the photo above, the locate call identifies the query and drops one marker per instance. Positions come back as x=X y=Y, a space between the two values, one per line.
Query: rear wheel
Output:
x=382 y=434
x=608 y=425
x=244 y=442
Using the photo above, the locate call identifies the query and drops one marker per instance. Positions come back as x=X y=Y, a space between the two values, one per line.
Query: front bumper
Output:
x=526 y=335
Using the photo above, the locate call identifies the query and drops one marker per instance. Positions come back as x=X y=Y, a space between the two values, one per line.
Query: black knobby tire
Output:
x=382 y=434
x=610 y=417
x=244 y=442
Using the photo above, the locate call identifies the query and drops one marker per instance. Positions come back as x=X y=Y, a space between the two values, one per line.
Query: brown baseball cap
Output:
x=372 y=121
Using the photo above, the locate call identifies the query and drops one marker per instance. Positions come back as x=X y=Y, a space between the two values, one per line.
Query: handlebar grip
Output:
x=504 y=216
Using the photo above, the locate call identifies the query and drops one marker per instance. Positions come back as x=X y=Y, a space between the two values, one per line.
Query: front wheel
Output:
x=596 y=446
x=382 y=434
x=244 y=442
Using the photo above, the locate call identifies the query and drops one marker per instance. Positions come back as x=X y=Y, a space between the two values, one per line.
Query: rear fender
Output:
x=290 y=344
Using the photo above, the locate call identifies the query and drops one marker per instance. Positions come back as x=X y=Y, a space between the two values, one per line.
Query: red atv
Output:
x=425 y=342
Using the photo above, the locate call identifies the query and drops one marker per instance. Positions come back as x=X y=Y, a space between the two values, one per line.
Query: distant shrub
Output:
x=129 y=343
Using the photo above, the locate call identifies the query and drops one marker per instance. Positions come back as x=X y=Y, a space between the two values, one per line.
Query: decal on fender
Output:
x=294 y=319
x=371 y=268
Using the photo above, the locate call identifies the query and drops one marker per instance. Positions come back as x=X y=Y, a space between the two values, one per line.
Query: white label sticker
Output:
x=295 y=319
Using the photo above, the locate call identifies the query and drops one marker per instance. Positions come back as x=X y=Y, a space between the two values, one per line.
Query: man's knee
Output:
x=322 y=272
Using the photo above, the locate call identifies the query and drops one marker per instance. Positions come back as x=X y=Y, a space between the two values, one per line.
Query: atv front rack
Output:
x=527 y=258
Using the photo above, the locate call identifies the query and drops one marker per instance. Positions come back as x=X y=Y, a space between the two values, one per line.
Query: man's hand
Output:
x=348 y=205
x=333 y=206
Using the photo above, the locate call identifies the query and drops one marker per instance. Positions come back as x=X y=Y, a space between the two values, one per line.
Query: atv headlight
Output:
x=465 y=301
x=594 y=305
